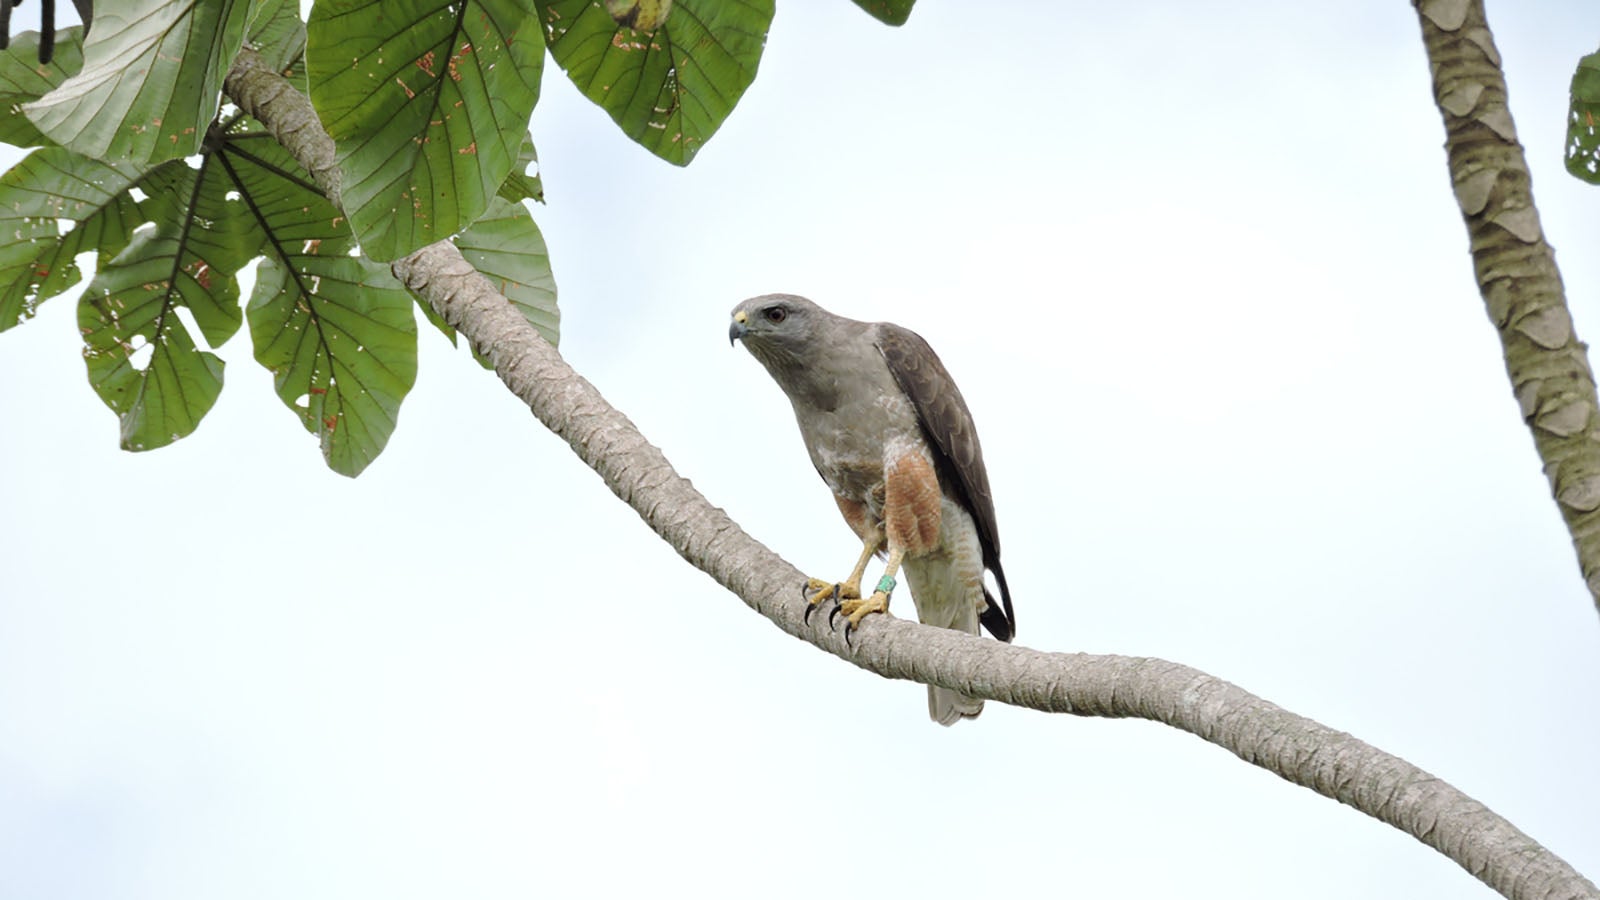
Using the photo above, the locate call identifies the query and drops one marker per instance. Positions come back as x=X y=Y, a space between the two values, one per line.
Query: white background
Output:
x=1199 y=272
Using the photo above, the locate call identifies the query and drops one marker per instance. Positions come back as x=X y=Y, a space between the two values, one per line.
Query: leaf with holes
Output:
x=206 y=239
x=151 y=79
x=1583 y=121
x=336 y=330
x=508 y=249
x=338 y=334
x=890 y=12
x=285 y=207
x=669 y=89
x=50 y=191
x=520 y=185
x=24 y=79
x=141 y=358
x=427 y=102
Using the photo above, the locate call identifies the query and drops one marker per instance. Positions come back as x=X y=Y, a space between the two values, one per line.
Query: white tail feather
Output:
x=948 y=707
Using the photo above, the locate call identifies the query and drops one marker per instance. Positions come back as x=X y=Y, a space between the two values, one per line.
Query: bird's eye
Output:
x=775 y=314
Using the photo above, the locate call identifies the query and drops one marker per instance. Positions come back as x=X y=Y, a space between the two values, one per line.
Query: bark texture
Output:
x=1301 y=751
x=1515 y=267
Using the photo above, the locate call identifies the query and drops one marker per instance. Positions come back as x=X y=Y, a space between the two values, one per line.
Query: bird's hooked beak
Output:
x=735 y=331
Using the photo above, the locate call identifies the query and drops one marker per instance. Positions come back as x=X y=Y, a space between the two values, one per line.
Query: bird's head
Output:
x=777 y=329
x=795 y=341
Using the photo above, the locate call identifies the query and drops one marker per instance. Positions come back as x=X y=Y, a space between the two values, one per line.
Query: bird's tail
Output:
x=944 y=597
x=948 y=707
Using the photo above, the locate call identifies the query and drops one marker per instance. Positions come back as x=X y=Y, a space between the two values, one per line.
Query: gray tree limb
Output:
x=1515 y=267
x=1297 y=749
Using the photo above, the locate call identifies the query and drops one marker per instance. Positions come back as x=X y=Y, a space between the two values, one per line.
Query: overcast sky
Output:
x=1198 y=270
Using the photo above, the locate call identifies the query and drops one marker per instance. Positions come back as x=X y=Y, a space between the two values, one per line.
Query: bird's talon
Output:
x=812 y=590
x=811 y=599
x=858 y=609
x=812 y=606
x=816 y=590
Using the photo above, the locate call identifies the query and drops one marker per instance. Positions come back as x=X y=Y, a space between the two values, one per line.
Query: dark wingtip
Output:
x=998 y=617
x=994 y=621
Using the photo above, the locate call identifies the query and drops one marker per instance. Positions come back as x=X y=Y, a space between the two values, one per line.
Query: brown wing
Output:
x=947 y=426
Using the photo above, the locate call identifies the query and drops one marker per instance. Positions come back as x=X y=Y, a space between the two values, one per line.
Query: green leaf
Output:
x=336 y=331
x=277 y=33
x=427 y=102
x=507 y=248
x=205 y=239
x=1583 y=121
x=341 y=342
x=190 y=259
x=890 y=12
x=24 y=79
x=520 y=185
x=151 y=79
x=141 y=359
x=50 y=189
x=669 y=89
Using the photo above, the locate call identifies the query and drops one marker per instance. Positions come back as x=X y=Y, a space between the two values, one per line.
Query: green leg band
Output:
x=886 y=584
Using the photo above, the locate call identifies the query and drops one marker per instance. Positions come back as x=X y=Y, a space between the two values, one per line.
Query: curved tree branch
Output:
x=1515 y=267
x=1295 y=748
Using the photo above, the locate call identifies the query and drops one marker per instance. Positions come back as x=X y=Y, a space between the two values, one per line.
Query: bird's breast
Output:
x=847 y=444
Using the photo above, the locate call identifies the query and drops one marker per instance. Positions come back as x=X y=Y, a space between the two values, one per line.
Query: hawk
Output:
x=888 y=432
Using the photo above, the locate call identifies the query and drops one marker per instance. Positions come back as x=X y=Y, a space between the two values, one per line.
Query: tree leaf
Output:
x=49 y=187
x=506 y=246
x=890 y=12
x=336 y=331
x=277 y=33
x=205 y=240
x=141 y=359
x=341 y=342
x=427 y=102
x=520 y=185
x=24 y=79
x=151 y=79
x=1583 y=121
x=669 y=89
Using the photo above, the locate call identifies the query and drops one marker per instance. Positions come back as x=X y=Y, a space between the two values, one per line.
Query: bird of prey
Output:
x=888 y=432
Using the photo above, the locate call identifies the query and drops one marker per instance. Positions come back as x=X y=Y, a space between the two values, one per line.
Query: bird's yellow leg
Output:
x=856 y=610
x=850 y=588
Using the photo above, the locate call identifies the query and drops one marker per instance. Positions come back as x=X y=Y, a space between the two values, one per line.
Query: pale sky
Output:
x=1198 y=270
